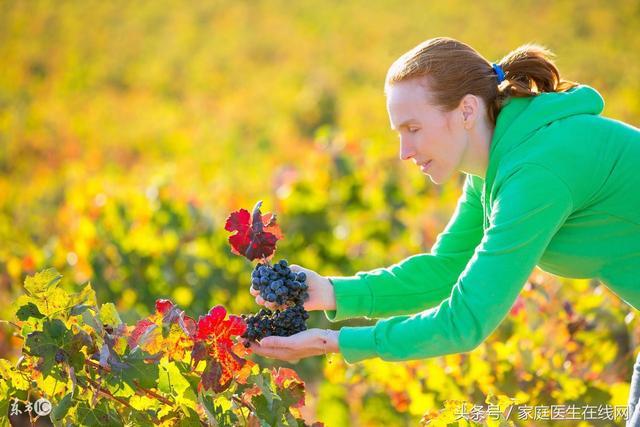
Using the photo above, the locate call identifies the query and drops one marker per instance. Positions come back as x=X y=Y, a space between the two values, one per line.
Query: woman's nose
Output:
x=407 y=150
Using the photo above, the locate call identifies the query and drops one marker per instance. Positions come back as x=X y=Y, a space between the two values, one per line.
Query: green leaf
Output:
x=142 y=403
x=77 y=359
x=78 y=309
x=42 y=281
x=263 y=410
x=109 y=315
x=87 y=296
x=78 y=341
x=194 y=380
x=207 y=405
x=263 y=381
x=90 y=319
x=45 y=343
x=56 y=329
x=13 y=377
x=225 y=417
x=136 y=370
x=192 y=419
x=140 y=419
x=62 y=407
x=292 y=421
x=55 y=302
x=171 y=381
x=5 y=401
x=100 y=416
x=27 y=311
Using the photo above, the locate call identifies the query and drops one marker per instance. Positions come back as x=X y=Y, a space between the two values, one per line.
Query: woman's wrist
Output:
x=330 y=295
x=332 y=341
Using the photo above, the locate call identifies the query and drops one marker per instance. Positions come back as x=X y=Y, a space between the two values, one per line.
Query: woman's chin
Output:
x=437 y=179
x=434 y=180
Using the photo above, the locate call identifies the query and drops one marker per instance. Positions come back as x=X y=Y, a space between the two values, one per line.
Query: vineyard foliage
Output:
x=167 y=369
x=128 y=132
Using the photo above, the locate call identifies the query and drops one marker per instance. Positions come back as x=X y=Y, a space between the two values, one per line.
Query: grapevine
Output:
x=168 y=369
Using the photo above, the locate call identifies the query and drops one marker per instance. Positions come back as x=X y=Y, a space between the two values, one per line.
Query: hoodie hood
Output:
x=521 y=117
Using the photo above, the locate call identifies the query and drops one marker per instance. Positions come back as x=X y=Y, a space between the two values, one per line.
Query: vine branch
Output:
x=139 y=388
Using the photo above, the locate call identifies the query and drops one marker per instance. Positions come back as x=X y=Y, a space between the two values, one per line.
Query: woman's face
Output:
x=426 y=133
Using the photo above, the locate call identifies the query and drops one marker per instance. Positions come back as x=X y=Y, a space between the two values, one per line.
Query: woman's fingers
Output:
x=274 y=353
x=271 y=305
x=261 y=301
x=294 y=267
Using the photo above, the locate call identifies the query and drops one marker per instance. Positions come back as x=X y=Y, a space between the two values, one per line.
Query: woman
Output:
x=549 y=182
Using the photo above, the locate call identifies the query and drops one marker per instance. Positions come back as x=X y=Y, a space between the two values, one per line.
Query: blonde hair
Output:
x=452 y=69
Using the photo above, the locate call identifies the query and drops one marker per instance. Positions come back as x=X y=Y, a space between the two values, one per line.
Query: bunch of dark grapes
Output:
x=289 y=321
x=280 y=285
x=258 y=326
x=280 y=323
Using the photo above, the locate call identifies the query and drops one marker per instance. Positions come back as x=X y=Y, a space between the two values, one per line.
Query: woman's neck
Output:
x=476 y=158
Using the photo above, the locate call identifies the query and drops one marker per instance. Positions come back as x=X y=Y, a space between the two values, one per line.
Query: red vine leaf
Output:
x=163 y=305
x=292 y=386
x=188 y=325
x=199 y=351
x=251 y=392
x=256 y=234
x=283 y=377
x=214 y=324
x=140 y=328
x=243 y=374
x=217 y=331
x=212 y=377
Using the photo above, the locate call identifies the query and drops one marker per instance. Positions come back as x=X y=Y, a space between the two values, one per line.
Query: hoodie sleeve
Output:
x=531 y=204
x=420 y=281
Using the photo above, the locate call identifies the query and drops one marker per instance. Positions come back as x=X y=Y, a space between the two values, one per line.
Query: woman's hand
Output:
x=312 y=342
x=321 y=294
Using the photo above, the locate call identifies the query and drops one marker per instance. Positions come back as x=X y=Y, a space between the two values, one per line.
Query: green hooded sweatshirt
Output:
x=561 y=191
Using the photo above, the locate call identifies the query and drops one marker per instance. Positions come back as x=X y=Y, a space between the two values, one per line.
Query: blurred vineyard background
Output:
x=130 y=130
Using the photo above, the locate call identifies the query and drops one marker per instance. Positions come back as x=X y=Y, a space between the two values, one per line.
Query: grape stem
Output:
x=106 y=393
x=245 y=404
x=153 y=394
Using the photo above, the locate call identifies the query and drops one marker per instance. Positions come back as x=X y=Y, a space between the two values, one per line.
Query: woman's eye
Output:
x=414 y=130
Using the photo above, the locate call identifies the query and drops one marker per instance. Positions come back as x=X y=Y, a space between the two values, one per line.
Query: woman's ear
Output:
x=469 y=106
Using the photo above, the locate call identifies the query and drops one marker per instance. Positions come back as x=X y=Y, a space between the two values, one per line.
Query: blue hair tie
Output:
x=499 y=72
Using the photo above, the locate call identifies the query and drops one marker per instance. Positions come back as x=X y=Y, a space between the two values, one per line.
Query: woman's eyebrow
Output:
x=403 y=124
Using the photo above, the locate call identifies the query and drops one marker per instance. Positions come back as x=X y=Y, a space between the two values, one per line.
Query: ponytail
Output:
x=529 y=71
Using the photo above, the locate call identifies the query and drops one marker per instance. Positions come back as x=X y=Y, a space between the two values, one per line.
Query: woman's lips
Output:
x=425 y=166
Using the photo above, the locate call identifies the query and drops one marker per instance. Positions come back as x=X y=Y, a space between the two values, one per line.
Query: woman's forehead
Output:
x=407 y=98
x=407 y=92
